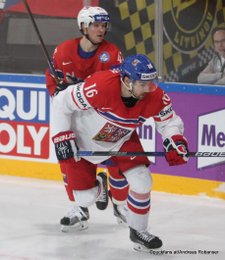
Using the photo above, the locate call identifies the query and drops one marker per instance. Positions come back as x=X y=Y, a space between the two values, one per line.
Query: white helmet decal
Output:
x=90 y=14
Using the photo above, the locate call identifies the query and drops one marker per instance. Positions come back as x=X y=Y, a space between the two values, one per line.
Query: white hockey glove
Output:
x=176 y=150
x=65 y=146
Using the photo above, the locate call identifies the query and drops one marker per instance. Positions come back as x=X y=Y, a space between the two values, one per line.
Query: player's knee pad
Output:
x=139 y=179
x=86 y=198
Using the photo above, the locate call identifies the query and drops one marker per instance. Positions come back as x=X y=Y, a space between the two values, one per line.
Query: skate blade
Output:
x=142 y=248
x=77 y=227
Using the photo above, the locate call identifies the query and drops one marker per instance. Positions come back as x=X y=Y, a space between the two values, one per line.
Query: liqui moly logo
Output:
x=24 y=121
x=211 y=137
x=146 y=133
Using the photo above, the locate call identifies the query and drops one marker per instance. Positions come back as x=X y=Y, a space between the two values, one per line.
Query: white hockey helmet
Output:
x=91 y=14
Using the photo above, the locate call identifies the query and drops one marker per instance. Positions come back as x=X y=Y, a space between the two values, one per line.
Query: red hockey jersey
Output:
x=67 y=61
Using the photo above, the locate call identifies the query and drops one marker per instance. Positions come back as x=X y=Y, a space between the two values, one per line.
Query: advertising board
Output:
x=25 y=131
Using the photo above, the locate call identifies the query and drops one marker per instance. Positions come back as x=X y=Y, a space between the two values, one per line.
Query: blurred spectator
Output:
x=214 y=72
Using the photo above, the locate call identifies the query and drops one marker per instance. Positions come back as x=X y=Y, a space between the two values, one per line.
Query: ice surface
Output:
x=30 y=211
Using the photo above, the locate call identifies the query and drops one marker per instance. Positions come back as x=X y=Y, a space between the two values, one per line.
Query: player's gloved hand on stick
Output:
x=65 y=146
x=63 y=85
x=176 y=149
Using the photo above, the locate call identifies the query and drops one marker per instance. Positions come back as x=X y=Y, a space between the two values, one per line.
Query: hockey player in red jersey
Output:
x=102 y=114
x=73 y=61
x=78 y=58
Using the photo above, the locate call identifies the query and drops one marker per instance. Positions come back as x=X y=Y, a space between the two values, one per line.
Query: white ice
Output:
x=30 y=211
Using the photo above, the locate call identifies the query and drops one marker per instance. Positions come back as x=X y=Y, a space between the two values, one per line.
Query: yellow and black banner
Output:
x=187 y=26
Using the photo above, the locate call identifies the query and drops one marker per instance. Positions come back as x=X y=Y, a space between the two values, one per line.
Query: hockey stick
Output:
x=118 y=153
x=42 y=43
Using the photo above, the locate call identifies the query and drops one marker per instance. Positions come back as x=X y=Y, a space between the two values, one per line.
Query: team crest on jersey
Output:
x=111 y=133
x=104 y=56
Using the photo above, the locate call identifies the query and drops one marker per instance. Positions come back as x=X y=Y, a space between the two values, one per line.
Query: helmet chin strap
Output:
x=88 y=38
x=131 y=89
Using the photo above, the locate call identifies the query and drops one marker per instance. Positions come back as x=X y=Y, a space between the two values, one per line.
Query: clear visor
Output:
x=149 y=85
x=107 y=25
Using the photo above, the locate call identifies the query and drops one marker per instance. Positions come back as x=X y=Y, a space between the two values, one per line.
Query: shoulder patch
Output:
x=104 y=56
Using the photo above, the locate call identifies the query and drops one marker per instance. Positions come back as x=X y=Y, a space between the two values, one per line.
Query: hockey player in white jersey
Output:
x=102 y=114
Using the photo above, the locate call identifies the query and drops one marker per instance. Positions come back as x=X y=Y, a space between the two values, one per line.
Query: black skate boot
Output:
x=144 y=241
x=75 y=218
x=120 y=212
x=102 y=200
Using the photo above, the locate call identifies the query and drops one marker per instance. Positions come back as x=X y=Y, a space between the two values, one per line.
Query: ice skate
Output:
x=76 y=218
x=120 y=212
x=102 y=200
x=144 y=241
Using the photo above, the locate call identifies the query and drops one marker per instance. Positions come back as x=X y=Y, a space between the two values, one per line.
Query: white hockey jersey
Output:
x=96 y=113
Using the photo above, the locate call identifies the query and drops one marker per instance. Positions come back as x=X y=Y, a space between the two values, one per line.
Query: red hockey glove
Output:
x=176 y=150
x=65 y=146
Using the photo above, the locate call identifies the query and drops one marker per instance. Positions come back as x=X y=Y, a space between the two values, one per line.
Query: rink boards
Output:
x=26 y=149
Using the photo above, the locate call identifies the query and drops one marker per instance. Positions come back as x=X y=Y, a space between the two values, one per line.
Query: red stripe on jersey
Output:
x=74 y=100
